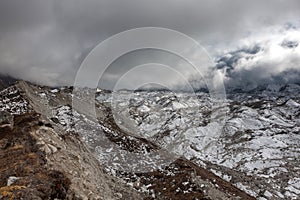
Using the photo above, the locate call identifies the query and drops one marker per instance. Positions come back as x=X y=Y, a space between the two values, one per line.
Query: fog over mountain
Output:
x=252 y=43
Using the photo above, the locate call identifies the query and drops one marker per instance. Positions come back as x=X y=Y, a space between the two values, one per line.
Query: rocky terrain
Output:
x=149 y=145
x=256 y=149
x=39 y=160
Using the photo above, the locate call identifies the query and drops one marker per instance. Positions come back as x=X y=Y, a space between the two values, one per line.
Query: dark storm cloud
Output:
x=45 y=41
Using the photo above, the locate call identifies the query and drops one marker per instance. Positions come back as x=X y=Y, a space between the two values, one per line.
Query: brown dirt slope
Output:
x=20 y=157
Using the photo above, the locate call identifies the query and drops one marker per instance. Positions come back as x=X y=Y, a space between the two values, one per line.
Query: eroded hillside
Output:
x=99 y=159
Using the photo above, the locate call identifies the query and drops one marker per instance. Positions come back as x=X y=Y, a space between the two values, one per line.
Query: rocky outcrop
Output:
x=6 y=119
x=24 y=174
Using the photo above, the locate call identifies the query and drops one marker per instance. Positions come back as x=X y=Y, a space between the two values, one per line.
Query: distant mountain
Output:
x=1 y=85
x=6 y=81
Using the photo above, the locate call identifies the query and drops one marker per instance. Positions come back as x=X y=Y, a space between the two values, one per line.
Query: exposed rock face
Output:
x=6 y=118
x=68 y=154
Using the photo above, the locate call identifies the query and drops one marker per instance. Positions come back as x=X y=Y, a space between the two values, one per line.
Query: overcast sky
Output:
x=45 y=41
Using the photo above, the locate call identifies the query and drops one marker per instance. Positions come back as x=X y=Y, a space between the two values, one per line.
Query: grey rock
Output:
x=6 y=118
x=11 y=180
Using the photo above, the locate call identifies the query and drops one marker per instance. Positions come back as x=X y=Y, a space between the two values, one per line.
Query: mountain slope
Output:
x=46 y=163
x=243 y=148
x=60 y=134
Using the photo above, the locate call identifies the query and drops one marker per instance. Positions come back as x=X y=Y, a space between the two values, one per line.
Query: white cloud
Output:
x=278 y=54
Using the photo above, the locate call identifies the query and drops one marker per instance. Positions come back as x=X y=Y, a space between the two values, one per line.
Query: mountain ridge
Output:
x=49 y=129
x=210 y=171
